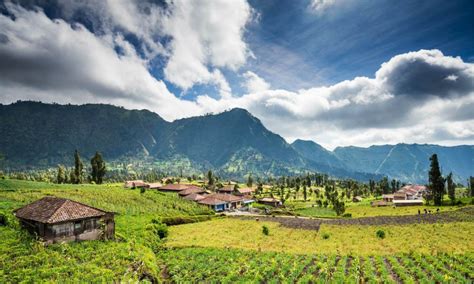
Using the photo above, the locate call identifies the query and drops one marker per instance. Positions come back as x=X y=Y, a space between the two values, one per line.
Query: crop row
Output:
x=218 y=265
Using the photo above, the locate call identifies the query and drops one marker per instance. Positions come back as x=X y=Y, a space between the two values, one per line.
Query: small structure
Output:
x=270 y=201
x=213 y=203
x=356 y=199
x=62 y=220
x=232 y=201
x=413 y=191
x=191 y=190
x=227 y=189
x=387 y=197
x=177 y=187
x=245 y=191
x=154 y=185
x=135 y=184
x=399 y=195
x=408 y=202
x=194 y=197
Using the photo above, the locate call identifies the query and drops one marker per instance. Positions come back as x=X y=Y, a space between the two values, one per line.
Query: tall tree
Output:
x=61 y=177
x=471 y=185
x=305 y=193
x=210 y=178
x=78 y=167
x=250 y=181
x=451 y=188
x=98 y=168
x=436 y=181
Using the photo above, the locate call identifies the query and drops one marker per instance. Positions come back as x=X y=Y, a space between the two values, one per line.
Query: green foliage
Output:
x=436 y=181
x=347 y=215
x=178 y=220
x=265 y=230
x=380 y=234
x=451 y=186
x=325 y=236
x=98 y=168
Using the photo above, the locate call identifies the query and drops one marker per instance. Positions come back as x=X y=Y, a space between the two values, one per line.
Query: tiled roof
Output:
x=134 y=183
x=246 y=190
x=269 y=199
x=54 y=210
x=227 y=197
x=177 y=187
x=155 y=185
x=227 y=188
x=191 y=190
x=211 y=200
x=194 y=197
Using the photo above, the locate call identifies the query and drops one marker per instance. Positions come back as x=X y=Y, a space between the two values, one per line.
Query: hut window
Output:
x=62 y=229
x=77 y=225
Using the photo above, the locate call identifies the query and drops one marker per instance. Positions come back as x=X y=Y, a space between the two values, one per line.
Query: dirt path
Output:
x=465 y=214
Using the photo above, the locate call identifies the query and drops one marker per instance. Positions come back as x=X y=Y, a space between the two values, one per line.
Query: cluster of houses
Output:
x=408 y=195
x=228 y=197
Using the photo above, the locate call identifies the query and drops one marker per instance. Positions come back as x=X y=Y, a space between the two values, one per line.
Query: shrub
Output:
x=265 y=230
x=3 y=219
x=347 y=215
x=178 y=220
x=380 y=234
x=325 y=236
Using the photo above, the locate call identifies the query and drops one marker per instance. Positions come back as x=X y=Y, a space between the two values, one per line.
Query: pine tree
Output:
x=61 y=177
x=451 y=188
x=78 y=167
x=471 y=185
x=98 y=168
x=436 y=181
x=250 y=181
x=305 y=193
x=210 y=178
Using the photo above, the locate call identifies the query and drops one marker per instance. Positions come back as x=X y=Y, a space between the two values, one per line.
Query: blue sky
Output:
x=340 y=72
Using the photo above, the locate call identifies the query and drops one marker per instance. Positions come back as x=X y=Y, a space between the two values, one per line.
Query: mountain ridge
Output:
x=234 y=143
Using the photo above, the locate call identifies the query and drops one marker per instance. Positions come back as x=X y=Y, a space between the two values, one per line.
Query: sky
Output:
x=338 y=72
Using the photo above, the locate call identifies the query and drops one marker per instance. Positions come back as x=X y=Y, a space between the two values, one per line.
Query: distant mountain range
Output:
x=232 y=143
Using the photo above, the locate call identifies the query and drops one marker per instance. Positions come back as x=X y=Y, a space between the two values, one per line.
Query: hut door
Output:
x=78 y=227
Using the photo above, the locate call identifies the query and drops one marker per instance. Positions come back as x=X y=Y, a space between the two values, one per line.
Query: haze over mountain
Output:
x=233 y=143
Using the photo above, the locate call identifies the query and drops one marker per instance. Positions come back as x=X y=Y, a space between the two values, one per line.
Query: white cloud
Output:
x=321 y=5
x=408 y=99
x=253 y=83
x=205 y=33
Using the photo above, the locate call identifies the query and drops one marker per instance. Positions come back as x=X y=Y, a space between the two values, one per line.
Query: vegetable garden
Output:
x=232 y=265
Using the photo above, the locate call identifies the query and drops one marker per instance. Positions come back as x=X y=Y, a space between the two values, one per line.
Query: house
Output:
x=270 y=201
x=414 y=192
x=154 y=185
x=387 y=197
x=399 y=195
x=356 y=199
x=135 y=184
x=194 y=197
x=245 y=191
x=227 y=189
x=213 y=203
x=62 y=220
x=408 y=202
x=176 y=187
x=191 y=190
x=232 y=201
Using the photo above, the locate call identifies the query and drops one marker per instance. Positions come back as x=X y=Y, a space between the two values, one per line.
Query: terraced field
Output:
x=226 y=266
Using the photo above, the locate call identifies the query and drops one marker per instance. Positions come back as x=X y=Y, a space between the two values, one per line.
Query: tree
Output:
x=78 y=167
x=339 y=207
x=210 y=178
x=61 y=177
x=305 y=193
x=471 y=185
x=436 y=181
x=98 y=168
x=250 y=181
x=451 y=188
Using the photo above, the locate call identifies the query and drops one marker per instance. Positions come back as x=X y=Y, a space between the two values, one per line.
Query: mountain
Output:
x=409 y=162
x=233 y=144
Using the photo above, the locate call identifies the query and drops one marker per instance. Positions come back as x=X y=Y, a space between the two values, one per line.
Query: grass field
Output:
x=345 y=240
x=226 y=249
x=131 y=257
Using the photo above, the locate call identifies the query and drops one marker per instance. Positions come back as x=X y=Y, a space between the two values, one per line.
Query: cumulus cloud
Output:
x=254 y=83
x=205 y=33
x=423 y=96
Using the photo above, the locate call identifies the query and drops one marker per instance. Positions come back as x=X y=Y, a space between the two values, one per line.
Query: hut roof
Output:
x=134 y=183
x=227 y=188
x=226 y=197
x=177 y=187
x=191 y=190
x=52 y=209
x=194 y=197
x=211 y=200
x=246 y=190
x=154 y=185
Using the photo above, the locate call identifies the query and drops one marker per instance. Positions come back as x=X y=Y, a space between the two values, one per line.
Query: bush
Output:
x=325 y=236
x=347 y=215
x=380 y=234
x=178 y=220
x=265 y=230
x=3 y=220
